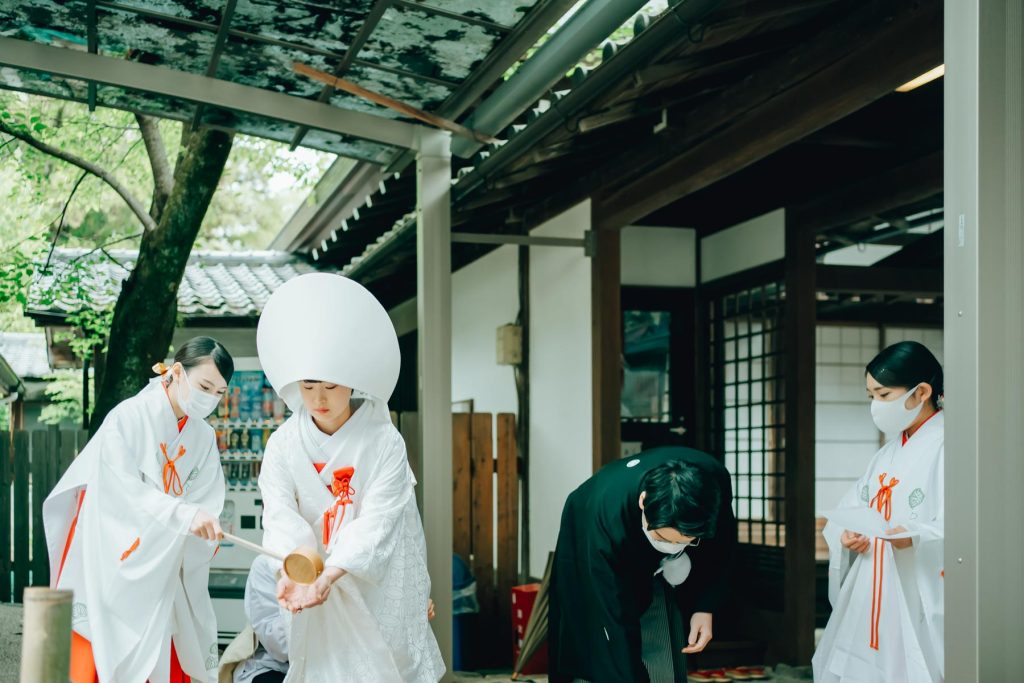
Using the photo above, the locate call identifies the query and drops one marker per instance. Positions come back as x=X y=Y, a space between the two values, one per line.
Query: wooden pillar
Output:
x=984 y=334
x=799 y=334
x=606 y=335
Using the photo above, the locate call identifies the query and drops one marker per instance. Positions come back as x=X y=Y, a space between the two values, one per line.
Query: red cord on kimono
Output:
x=342 y=489
x=883 y=503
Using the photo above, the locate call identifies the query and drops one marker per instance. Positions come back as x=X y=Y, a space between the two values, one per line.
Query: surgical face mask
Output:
x=892 y=416
x=199 y=404
x=664 y=546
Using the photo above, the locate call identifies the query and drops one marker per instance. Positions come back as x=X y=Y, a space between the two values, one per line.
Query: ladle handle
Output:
x=253 y=547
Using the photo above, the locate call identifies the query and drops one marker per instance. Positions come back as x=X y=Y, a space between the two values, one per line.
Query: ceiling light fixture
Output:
x=926 y=77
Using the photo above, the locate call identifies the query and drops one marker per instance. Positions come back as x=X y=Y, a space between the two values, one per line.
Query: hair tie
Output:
x=160 y=369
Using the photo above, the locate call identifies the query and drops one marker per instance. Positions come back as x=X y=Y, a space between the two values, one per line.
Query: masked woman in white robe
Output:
x=886 y=592
x=132 y=525
x=336 y=477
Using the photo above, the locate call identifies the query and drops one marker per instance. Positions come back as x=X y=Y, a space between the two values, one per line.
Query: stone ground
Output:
x=10 y=643
x=784 y=674
x=10 y=653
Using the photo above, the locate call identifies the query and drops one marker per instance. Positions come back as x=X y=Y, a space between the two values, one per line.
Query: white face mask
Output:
x=199 y=404
x=892 y=416
x=664 y=546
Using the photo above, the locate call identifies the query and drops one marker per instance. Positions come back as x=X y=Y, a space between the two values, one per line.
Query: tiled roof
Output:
x=216 y=284
x=26 y=353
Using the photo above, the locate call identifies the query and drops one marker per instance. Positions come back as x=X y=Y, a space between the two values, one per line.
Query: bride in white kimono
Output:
x=886 y=593
x=132 y=525
x=335 y=476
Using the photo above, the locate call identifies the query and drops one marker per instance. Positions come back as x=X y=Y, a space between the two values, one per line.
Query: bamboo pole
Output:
x=390 y=103
x=46 y=639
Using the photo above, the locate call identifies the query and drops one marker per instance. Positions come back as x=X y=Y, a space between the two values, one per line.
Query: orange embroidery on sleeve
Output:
x=132 y=549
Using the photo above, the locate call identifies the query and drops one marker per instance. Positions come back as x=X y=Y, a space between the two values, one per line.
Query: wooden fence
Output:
x=31 y=462
x=485 y=508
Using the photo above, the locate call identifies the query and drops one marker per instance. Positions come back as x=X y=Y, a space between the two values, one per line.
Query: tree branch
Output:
x=103 y=248
x=163 y=174
x=63 y=213
x=136 y=207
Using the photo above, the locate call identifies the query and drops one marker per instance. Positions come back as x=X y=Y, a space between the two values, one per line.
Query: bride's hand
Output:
x=290 y=595
x=299 y=597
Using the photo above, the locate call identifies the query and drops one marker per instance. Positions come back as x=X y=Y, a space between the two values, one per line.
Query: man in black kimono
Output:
x=655 y=525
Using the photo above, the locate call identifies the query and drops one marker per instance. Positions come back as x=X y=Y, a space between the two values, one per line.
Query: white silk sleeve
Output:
x=284 y=528
x=364 y=547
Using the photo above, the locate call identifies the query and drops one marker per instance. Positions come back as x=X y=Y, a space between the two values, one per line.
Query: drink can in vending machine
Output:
x=268 y=403
x=256 y=440
x=236 y=399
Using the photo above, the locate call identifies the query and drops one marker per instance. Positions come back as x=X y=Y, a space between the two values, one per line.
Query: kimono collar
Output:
x=933 y=424
x=158 y=403
x=324 y=441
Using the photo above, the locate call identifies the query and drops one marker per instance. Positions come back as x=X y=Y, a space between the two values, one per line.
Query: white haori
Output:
x=887 y=618
x=374 y=625
x=139 y=578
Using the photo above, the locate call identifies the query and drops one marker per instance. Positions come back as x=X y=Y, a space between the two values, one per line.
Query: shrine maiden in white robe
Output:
x=374 y=625
x=887 y=616
x=139 y=578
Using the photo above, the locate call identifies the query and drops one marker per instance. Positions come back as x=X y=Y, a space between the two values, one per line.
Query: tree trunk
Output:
x=146 y=311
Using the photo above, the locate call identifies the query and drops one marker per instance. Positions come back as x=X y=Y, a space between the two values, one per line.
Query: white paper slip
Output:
x=863 y=520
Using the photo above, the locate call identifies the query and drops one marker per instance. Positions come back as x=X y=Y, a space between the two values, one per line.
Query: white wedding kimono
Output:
x=374 y=625
x=886 y=623
x=122 y=543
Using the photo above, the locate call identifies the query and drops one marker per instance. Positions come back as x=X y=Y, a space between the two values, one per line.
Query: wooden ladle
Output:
x=302 y=565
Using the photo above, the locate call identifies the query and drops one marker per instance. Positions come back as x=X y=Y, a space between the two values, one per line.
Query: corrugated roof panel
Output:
x=504 y=12
x=122 y=32
x=427 y=44
x=316 y=26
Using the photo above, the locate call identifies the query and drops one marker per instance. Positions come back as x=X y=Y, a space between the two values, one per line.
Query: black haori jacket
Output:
x=602 y=579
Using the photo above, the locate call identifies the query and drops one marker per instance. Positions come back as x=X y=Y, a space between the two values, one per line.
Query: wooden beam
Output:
x=879 y=280
x=606 y=341
x=897 y=187
x=806 y=89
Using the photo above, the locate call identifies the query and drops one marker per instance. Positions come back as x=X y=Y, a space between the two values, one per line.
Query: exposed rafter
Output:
x=218 y=50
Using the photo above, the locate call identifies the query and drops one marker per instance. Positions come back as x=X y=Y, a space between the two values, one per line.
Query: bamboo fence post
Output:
x=46 y=636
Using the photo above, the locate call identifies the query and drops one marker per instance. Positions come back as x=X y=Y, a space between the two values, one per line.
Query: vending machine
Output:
x=244 y=421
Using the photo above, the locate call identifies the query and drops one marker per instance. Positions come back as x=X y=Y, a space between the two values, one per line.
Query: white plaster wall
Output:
x=561 y=452
x=484 y=297
x=745 y=245
x=659 y=257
